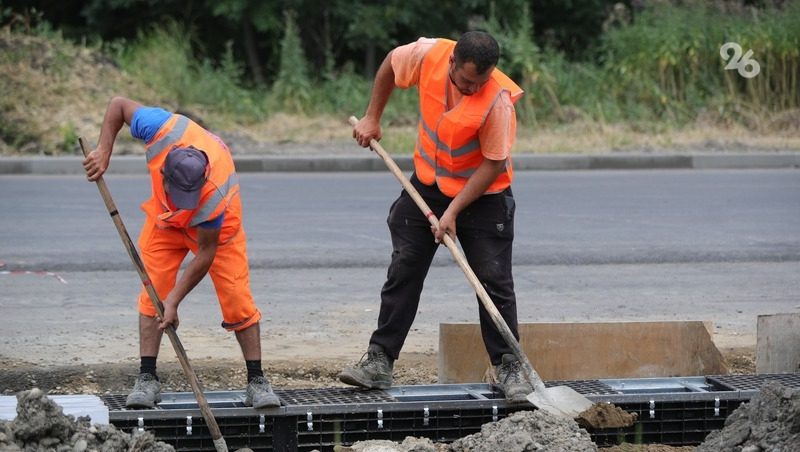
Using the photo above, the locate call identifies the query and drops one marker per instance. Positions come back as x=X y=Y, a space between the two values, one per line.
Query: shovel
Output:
x=205 y=410
x=561 y=401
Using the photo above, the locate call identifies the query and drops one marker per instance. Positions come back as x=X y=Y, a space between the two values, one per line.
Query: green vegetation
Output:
x=651 y=71
x=669 y=60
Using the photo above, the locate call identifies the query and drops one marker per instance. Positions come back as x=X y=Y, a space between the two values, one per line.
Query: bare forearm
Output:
x=382 y=89
x=198 y=267
x=195 y=272
x=119 y=111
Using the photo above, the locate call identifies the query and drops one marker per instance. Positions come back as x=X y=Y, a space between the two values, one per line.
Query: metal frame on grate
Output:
x=332 y=396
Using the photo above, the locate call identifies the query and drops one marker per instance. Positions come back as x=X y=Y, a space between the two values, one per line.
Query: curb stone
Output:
x=134 y=164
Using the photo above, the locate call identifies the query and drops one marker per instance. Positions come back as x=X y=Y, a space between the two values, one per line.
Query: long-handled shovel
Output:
x=560 y=400
x=216 y=435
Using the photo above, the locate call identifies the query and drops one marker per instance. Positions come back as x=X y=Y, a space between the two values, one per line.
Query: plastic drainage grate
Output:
x=753 y=382
x=332 y=396
x=440 y=425
x=585 y=387
x=254 y=432
x=114 y=402
x=676 y=423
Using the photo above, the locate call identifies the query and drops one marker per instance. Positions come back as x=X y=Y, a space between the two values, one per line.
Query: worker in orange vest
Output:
x=463 y=171
x=195 y=206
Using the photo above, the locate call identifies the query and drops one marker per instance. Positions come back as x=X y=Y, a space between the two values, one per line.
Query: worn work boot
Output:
x=146 y=392
x=512 y=380
x=259 y=394
x=374 y=371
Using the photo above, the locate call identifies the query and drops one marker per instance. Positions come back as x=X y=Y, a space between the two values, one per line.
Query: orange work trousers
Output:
x=163 y=252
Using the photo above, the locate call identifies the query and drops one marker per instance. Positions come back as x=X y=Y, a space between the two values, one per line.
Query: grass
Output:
x=582 y=137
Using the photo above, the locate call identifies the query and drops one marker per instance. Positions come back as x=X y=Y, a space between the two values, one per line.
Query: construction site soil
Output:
x=223 y=375
x=306 y=372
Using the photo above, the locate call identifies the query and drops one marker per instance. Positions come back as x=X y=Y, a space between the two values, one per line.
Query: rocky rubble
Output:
x=41 y=425
x=523 y=431
x=528 y=431
x=770 y=421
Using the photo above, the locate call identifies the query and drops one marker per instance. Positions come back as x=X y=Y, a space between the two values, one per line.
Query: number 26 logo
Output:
x=745 y=65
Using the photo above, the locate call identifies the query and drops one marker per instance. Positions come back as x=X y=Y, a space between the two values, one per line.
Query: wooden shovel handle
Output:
x=216 y=434
x=486 y=301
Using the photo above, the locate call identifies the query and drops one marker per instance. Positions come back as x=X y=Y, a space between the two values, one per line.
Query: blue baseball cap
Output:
x=185 y=174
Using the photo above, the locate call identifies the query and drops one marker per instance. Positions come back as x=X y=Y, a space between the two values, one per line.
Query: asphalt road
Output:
x=714 y=245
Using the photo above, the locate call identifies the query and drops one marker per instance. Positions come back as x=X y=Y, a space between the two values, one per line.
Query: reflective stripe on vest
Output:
x=206 y=211
x=177 y=131
x=219 y=195
x=447 y=150
x=465 y=149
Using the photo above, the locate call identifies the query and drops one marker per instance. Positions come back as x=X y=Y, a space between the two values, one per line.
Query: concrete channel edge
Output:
x=131 y=164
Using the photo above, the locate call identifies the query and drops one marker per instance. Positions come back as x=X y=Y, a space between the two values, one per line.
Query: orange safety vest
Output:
x=448 y=150
x=220 y=194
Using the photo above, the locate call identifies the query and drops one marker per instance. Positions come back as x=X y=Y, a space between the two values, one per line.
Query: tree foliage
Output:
x=604 y=60
x=356 y=31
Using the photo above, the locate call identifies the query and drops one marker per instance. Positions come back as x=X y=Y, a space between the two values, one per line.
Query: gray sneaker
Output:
x=146 y=392
x=374 y=371
x=259 y=394
x=512 y=380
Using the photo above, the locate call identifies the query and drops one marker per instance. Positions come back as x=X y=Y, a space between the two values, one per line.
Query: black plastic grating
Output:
x=753 y=382
x=584 y=387
x=239 y=432
x=332 y=396
x=680 y=423
x=114 y=402
x=440 y=425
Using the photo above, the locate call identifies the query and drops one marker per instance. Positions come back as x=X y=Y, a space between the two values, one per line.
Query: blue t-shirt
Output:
x=144 y=125
x=146 y=122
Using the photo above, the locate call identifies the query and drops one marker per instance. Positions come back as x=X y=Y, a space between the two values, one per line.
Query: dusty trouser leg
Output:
x=413 y=250
x=486 y=232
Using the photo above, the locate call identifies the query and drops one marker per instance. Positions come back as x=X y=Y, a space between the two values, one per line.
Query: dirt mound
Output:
x=52 y=91
x=606 y=415
x=527 y=431
x=410 y=444
x=769 y=422
x=523 y=431
x=42 y=425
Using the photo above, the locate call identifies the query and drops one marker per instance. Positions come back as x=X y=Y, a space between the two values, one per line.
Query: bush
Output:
x=163 y=59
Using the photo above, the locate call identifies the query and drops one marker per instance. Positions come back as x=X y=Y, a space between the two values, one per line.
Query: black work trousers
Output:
x=485 y=230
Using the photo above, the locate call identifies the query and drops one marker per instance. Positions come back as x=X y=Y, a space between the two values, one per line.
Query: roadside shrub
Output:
x=163 y=59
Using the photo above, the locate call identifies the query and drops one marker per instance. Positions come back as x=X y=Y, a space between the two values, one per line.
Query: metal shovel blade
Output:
x=561 y=401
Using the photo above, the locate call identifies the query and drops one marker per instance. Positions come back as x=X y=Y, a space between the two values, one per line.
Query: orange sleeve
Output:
x=407 y=61
x=499 y=131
